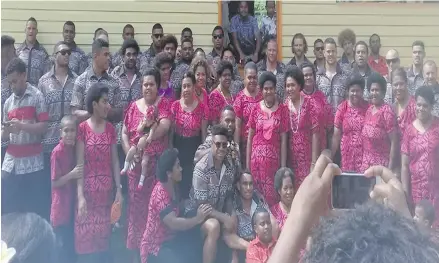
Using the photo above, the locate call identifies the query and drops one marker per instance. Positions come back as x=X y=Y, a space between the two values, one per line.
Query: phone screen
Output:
x=350 y=189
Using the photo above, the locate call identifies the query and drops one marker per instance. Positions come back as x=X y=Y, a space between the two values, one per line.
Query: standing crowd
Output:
x=206 y=161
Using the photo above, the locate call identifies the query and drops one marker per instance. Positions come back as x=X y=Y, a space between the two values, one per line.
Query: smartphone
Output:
x=350 y=189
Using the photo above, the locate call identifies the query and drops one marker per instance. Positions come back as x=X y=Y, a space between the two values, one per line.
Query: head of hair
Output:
x=222 y=66
x=295 y=73
x=347 y=35
x=217 y=28
x=70 y=23
x=186 y=40
x=94 y=94
x=280 y=175
x=259 y=210
x=225 y=50
x=219 y=129
x=370 y=233
x=31 y=236
x=157 y=26
x=32 y=19
x=7 y=41
x=168 y=39
x=154 y=72
x=318 y=40
x=166 y=163
x=374 y=35
x=309 y=65
x=375 y=78
x=300 y=36
x=401 y=72
x=99 y=31
x=267 y=76
x=426 y=93
x=161 y=59
x=361 y=43
x=228 y=108
x=419 y=43
x=59 y=43
x=127 y=26
x=98 y=45
x=16 y=65
x=67 y=119
x=130 y=43
x=430 y=63
x=190 y=75
x=200 y=62
x=186 y=29
x=355 y=79
x=250 y=66
x=331 y=41
x=199 y=50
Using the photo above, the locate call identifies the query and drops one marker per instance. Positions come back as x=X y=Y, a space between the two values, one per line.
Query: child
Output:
x=147 y=127
x=64 y=175
x=260 y=248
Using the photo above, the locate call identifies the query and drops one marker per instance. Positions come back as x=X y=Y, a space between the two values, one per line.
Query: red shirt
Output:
x=258 y=252
x=380 y=66
x=62 y=162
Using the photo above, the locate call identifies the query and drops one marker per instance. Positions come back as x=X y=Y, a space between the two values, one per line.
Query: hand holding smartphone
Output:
x=350 y=189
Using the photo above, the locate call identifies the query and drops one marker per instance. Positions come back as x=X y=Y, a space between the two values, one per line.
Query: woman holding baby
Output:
x=156 y=142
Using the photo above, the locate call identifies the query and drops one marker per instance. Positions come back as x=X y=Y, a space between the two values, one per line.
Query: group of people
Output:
x=207 y=160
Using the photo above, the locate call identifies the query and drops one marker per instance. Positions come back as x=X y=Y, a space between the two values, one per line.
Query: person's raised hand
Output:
x=390 y=192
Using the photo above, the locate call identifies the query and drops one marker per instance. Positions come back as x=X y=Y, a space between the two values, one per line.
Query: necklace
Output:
x=299 y=111
x=198 y=93
x=268 y=107
x=228 y=102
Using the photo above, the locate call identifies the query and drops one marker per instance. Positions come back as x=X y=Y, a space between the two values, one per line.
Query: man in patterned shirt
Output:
x=414 y=72
x=8 y=53
x=97 y=72
x=77 y=60
x=25 y=185
x=57 y=88
x=117 y=59
x=154 y=49
x=33 y=54
x=430 y=80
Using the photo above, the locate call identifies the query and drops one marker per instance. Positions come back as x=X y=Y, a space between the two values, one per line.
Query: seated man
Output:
x=245 y=34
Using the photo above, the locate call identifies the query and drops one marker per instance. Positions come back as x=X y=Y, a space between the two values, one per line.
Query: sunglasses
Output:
x=64 y=52
x=218 y=36
x=392 y=60
x=318 y=48
x=223 y=145
x=158 y=35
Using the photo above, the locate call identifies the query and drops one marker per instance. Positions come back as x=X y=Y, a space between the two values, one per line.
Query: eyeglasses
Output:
x=64 y=52
x=392 y=60
x=223 y=145
x=218 y=36
x=158 y=35
x=318 y=48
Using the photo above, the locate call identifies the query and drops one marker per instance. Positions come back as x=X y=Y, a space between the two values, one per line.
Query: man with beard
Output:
x=299 y=46
x=228 y=119
x=117 y=59
x=77 y=59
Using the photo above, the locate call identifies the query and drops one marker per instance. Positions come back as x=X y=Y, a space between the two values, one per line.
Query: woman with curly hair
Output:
x=203 y=79
x=163 y=62
x=347 y=40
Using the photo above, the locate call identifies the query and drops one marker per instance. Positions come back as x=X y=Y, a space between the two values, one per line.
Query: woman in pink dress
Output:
x=244 y=103
x=304 y=145
x=420 y=153
x=221 y=96
x=97 y=152
x=267 y=138
x=284 y=185
x=405 y=105
x=380 y=129
x=190 y=119
x=139 y=198
x=326 y=115
x=200 y=68
x=348 y=125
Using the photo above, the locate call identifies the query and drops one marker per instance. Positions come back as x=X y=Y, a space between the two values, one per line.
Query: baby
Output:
x=146 y=127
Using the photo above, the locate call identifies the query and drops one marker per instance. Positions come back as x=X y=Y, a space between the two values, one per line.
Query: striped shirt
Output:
x=36 y=59
x=25 y=150
x=57 y=96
